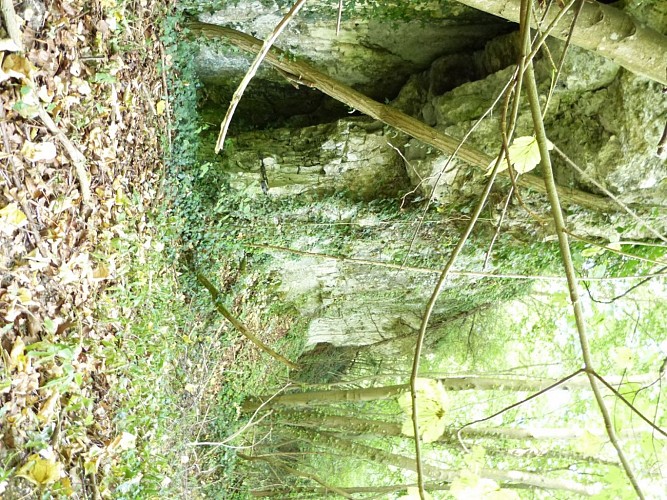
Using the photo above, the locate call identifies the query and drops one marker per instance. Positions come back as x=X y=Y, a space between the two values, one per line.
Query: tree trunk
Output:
x=314 y=419
x=435 y=473
x=323 y=398
x=323 y=492
x=601 y=28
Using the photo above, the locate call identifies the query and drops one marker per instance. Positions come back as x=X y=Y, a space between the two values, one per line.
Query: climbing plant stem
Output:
x=568 y=265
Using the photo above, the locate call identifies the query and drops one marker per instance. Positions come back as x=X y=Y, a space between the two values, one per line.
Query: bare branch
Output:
x=12 y=24
x=215 y=295
x=73 y=152
x=608 y=193
x=236 y=98
x=518 y=403
x=564 y=244
x=629 y=404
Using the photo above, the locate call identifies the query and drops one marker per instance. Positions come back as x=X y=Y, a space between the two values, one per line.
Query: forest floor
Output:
x=99 y=383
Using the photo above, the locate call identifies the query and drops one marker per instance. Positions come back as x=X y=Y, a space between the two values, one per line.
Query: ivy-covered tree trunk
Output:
x=329 y=397
x=379 y=456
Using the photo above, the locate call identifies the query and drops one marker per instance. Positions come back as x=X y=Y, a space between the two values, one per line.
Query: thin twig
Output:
x=298 y=473
x=514 y=405
x=75 y=155
x=429 y=311
x=440 y=284
x=443 y=170
x=561 y=62
x=616 y=251
x=12 y=24
x=496 y=233
x=505 y=135
x=611 y=195
x=621 y=295
x=340 y=16
x=629 y=405
x=217 y=302
x=236 y=98
x=248 y=424
x=165 y=89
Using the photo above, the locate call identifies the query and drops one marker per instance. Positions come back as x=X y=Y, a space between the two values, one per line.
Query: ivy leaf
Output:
x=524 y=155
x=41 y=471
x=28 y=105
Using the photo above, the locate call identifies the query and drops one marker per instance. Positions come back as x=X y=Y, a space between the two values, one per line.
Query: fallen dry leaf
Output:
x=11 y=218
x=43 y=151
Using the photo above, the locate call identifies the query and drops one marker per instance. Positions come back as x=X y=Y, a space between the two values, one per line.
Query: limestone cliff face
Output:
x=378 y=46
x=445 y=67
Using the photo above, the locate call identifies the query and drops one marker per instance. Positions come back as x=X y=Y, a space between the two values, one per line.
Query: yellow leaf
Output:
x=90 y=466
x=589 y=444
x=17 y=66
x=40 y=471
x=47 y=410
x=432 y=401
x=524 y=155
x=17 y=355
x=25 y=296
x=470 y=485
x=11 y=218
x=622 y=357
x=160 y=107
x=101 y=272
x=93 y=457
x=66 y=486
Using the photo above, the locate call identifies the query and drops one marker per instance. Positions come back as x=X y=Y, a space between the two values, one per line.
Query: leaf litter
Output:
x=79 y=110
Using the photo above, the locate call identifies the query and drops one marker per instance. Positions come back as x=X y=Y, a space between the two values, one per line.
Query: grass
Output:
x=172 y=373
